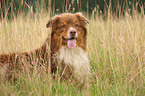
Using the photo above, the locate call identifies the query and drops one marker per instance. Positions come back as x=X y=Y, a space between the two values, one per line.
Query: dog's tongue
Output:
x=71 y=43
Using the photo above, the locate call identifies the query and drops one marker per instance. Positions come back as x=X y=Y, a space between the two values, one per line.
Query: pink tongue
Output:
x=71 y=43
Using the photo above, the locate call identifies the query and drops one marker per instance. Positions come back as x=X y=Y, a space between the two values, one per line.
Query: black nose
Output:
x=72 y=33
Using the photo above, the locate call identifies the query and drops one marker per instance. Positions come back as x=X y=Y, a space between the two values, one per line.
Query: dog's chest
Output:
x=76 y=57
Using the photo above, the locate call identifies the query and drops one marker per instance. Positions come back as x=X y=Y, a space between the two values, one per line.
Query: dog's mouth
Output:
x=71 y=42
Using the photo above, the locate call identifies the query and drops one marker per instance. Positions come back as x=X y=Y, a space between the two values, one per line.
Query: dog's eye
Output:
x=76 y=24
x=62 y=25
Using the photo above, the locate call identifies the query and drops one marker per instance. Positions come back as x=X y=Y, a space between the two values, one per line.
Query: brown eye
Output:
x=76 y=25
x=62 y=26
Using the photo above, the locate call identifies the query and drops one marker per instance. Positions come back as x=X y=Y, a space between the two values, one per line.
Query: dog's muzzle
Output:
x=72 y=33
x=71 y=39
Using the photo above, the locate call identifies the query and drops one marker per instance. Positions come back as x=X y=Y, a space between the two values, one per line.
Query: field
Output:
x=116 y=50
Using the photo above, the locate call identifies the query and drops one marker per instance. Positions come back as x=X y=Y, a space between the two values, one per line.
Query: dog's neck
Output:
x=75 y=57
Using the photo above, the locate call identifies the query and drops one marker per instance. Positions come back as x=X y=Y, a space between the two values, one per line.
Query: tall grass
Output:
x=117 y=54
x=116 y=49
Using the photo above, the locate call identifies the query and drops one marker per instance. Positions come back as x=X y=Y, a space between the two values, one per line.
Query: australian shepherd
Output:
x=67 y=52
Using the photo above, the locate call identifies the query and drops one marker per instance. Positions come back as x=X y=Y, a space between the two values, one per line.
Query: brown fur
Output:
x=20 y=62
x=60 y=25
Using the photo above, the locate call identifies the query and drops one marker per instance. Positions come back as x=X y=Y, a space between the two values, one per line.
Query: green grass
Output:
x=116 y=49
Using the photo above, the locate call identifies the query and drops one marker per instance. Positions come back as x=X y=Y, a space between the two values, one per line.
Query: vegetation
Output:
x=116 y=49
x=59 y=6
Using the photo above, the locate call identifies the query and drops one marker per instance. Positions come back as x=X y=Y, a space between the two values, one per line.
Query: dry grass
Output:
x=23 y=33
x=116 y=52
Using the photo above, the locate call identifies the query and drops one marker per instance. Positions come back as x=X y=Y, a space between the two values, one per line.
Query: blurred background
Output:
x=117 y=7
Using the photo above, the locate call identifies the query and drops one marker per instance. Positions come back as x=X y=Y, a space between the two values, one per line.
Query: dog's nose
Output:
x=72 y=32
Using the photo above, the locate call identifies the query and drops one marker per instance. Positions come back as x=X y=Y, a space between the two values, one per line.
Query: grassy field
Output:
x=116 y=50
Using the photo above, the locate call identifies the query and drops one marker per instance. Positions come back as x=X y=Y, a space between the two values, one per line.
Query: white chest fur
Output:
x=77 y=58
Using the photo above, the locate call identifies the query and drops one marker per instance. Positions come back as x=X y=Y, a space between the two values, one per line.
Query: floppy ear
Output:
x=52 y=21
x=81 y=17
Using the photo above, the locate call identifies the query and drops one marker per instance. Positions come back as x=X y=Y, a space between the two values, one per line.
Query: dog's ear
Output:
x=52 y=21
x=81 y=18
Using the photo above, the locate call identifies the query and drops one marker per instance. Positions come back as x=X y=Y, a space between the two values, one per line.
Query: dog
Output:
x=65 y=49
x=68 y=46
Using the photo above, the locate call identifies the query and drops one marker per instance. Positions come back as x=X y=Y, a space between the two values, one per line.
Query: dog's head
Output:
x=69 y=29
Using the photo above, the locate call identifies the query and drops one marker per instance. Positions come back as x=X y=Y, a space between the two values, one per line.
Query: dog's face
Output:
x=69 y=29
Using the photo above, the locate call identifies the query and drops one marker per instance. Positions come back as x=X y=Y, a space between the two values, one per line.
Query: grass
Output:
x=116 y=50
x=117 y=55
